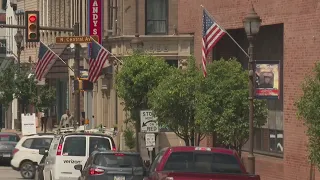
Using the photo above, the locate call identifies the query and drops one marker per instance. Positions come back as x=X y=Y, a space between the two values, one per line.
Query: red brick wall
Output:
x=301 y=45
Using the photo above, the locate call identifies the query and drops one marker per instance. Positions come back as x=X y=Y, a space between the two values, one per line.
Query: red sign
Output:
x=95 y=18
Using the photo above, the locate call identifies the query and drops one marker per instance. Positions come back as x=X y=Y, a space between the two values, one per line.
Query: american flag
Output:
x=99 y=56
x=45 y=57
x=211 y=34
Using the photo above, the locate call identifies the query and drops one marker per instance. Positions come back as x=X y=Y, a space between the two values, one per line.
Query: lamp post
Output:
x=18 y=38
x=252 y=23
x=137 y=43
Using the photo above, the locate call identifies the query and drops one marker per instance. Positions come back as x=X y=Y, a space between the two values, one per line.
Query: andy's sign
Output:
x=95 y=19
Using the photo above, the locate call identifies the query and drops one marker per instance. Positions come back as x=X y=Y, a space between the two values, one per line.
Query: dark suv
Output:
x=109 y=165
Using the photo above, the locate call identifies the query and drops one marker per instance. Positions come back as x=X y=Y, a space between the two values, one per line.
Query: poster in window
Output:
x=267 y=84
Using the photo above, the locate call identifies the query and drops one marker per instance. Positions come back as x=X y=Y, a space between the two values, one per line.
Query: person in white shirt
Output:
x=66 y=120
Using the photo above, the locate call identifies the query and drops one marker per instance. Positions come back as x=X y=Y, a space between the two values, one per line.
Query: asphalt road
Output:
x=7 y=173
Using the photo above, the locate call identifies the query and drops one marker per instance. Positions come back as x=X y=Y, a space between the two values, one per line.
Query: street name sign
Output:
x=148 y=122
x=150 y=140
x=75 y=39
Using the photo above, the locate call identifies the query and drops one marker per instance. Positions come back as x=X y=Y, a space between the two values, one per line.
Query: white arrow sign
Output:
x=148 y=122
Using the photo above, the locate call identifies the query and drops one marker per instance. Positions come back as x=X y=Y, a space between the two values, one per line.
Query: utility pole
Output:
x=76 y=76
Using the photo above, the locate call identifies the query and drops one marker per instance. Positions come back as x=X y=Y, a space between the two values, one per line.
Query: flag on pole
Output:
x=99 y=57
x=45 y=57
x=211 y=34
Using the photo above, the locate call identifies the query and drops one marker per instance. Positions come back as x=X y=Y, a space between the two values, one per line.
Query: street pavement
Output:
x=7 y=173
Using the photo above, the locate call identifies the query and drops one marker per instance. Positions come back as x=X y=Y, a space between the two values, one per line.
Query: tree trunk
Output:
x=238 y=149
x=187 y=141
x=198 y=139
x=214 y=139
x=192 y=137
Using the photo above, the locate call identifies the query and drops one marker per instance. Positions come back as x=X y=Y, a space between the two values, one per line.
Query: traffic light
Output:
x=85 y=85
x=32 y=23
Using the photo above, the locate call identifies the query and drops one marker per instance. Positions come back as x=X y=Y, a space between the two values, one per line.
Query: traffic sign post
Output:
x=150 y=144
x=149 y=123
x=76 y=39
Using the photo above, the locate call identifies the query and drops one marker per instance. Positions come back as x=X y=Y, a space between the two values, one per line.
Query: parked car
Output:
x=7 y=143
x=198 y=163
x=69 y=149
x=26 y=153
x=103 y=165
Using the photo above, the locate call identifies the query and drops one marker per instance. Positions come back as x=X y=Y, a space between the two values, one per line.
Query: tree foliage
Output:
x=139 y=74
x=308 y=106
x=16 y=83
x=7 y=85
x=174 y=101
x=223 y=105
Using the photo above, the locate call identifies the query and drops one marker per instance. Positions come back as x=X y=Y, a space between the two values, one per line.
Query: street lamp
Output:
x=136 y=43
x=18 y=38
x=251 y=23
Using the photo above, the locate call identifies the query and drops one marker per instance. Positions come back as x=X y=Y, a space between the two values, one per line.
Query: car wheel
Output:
x=27 y=170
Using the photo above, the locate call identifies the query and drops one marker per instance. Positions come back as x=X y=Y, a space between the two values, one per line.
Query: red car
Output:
x=198 y=163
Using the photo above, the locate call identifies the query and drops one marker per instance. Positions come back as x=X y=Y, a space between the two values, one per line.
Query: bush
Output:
x=129 y=138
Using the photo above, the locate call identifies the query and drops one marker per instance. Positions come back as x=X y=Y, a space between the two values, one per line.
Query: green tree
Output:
x=174 y=102
x=139 y=74
x=44 y=97
x=25 y=88
x=129 y=138
x=7 y=85
x=223 y=105
x=308 y=106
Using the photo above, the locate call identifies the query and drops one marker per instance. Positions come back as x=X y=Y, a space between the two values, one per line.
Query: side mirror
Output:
x=43 y=151
x=78 y=167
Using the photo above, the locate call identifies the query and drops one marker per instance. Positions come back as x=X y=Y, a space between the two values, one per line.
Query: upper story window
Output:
x=156 y=16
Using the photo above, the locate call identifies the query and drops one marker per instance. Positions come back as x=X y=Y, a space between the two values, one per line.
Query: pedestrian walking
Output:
x=44 y=119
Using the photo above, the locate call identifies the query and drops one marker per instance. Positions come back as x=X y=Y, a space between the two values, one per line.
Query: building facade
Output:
x=287 y=35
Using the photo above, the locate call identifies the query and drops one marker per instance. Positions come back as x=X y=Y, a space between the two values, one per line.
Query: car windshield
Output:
x=6 y=137
x=202 y=162
x=118 y=160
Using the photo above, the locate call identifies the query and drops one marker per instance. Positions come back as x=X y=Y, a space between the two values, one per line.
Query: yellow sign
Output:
x=76 y=39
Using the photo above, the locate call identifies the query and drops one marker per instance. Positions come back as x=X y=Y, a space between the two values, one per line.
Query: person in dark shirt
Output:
x=267 y=80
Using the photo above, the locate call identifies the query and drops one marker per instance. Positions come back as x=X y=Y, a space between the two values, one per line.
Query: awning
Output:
x=57 y=69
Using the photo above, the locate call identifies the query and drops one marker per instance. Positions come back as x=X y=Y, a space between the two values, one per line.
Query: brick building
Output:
x=289 y=33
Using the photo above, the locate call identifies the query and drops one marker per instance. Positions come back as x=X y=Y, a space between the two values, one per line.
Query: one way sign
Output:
x=148 y=122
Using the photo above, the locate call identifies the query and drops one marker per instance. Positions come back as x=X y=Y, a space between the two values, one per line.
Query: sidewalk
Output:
x=20 y=133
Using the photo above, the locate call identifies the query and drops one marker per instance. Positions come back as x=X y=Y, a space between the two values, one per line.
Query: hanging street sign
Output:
x=148 y=122
x=75 y=39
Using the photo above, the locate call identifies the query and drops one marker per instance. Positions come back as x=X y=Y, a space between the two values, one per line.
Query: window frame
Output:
x=147 y=20
x=42 y=138
x=64 y=143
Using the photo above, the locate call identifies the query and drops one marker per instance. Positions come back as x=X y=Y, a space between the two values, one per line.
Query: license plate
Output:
x=119 y=178
x=6 y=155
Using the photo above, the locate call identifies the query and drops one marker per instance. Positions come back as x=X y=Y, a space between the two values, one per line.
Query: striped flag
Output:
x=211 y=34
x=99 y=57
x=45 y=57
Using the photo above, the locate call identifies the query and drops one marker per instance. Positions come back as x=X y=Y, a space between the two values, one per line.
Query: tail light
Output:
x=119 y=154
x=15 y=151
x=114 y=149
x=95 y=171
x=59 y=150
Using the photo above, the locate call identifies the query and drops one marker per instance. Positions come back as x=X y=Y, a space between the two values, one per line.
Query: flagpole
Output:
x=57 y=56
x=225 y=31
x=106 y=50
